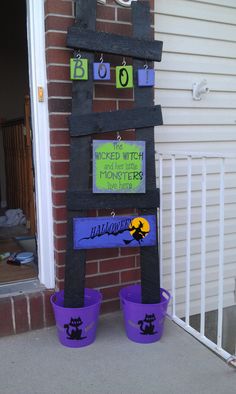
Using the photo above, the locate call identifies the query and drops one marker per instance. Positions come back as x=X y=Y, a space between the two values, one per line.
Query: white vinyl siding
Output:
x=199 y=42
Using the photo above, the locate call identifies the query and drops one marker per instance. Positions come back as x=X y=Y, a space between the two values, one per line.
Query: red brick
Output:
x=129 y=251
x=102 y=280
x=124 y=14
x=58 y=121
x=61 y=23
x=104 y=12
x=21 y=314
x=60 y=89
x=59 y=183
x=60 y=272
x=104 y=105
x=60 y=213
x=56 y=40
x=110 y=91
x=6 y=323
x=137 y=259
x=58 y=73
x=60 y=168
x=92 y=213
x=36 y=311
x=110 y=306
x=59 y=137
x=58 y=56
x=48 y=312
x=125 y=104
x=59 y=198
x=117 y=28
x=60 y=243
x=60 y=152
x=117 y=264
x=91 y=268
x=60 y=105
x=60 y=229
x=130 y=276
x=60 y=257
x=59 y=7
x=60 y=284
x=110 y=292
x=101 y=254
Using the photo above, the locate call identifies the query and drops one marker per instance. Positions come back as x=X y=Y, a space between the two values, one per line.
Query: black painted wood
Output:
x=150 y=276
x=80 y=152
x=113 y=43
x=86 y=200
x=102 y=122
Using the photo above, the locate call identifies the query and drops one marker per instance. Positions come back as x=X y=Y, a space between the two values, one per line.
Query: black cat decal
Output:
x=146 y=326
x=72 y=329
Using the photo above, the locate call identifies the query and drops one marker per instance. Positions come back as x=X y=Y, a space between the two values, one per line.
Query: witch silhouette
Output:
x=139 y=228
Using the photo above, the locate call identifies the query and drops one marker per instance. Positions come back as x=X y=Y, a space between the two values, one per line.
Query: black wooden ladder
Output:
x=83 y=122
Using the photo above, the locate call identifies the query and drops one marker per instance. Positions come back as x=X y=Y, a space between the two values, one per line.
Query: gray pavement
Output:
x=35 y=363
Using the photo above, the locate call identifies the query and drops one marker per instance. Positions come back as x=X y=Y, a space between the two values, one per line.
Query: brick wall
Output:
x=24 y=312
x=107 y=269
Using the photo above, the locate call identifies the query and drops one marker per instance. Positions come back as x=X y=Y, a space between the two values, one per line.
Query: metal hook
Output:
x=118 y=136
x=124 y=62
x=77 y=54
x=101 y=58
x=113 y=214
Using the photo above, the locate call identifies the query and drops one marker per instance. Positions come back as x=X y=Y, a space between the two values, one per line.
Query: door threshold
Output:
x=17 y=288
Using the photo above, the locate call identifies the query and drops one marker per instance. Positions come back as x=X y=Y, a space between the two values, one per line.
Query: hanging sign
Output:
x=112 y=232
x=79 y=69
x=146 y=77
x=124 y=77
x=101 y=71
x=119 y=166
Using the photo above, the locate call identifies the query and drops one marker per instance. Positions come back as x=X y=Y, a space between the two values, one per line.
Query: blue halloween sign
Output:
x=118 y=231
x=101 y=71
x=146 y=77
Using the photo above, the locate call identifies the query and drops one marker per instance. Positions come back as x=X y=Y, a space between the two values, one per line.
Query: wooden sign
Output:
x=119 y=166
x=112 y=232
x=79 y=69
x=146 y=77
x=101 y=71
x=124 y=77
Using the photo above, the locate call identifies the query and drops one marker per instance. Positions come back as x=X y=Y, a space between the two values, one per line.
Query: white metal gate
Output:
x=198 y=240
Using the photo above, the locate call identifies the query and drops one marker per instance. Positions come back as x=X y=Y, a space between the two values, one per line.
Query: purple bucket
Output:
x=144 y=323
x=76 y=327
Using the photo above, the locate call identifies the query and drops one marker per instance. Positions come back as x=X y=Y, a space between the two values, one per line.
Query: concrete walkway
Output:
x=35 y=363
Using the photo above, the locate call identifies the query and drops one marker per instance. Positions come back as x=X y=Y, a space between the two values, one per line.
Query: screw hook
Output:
x=77 y=54
x=113 y=214
x=118 y=136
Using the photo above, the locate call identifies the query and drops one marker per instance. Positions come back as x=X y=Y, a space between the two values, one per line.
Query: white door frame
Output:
x=41 y=141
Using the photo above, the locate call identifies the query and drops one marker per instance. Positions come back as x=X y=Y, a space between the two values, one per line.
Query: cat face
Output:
x=149 y=318
x=75 y=322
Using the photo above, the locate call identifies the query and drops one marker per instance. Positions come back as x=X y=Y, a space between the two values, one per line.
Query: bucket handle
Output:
x=53 y=298
x=169 y=296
